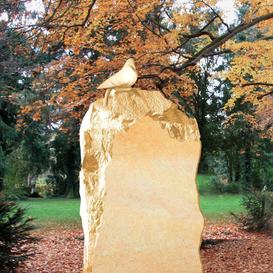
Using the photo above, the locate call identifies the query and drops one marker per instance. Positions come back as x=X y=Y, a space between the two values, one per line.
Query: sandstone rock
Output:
x=139 y=202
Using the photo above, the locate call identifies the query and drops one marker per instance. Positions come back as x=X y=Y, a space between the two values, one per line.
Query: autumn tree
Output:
x=251 y=69
x=250 y=106
x=167 y=40
x=173 y=44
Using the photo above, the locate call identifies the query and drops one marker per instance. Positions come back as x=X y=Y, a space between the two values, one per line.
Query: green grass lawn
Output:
x=54 y=212
x=51 y=212
x=218 y=207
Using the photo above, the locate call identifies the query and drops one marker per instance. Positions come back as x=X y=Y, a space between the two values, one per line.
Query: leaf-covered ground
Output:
x=229 y=250
x=241 y=252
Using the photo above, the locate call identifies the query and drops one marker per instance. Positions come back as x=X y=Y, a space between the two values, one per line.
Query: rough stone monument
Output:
x=139 y=201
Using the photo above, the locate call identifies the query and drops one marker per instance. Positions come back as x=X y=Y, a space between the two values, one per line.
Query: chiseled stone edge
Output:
x=99 y=127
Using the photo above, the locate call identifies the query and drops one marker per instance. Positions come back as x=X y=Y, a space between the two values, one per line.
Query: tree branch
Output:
x=209 y=49
x=201 y=30
x=215 y=53
x=86 y=17
x=151 y=76
x=54 y=11
x=201 y=33
x=83 y=22
x=142 y=23
x=257 y=83
x=159 y=83
x=265 y=95
x=216 y=14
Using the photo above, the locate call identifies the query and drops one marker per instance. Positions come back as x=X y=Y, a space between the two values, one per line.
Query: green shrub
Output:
x=259 y=210
x=232 y=187
x=15 y=195
x=14 y=236
x=220 y=181
x=15 y=176
x=217 y=186
x=44 y=187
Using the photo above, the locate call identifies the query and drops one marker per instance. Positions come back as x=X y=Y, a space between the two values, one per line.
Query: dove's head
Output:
x=130 y=62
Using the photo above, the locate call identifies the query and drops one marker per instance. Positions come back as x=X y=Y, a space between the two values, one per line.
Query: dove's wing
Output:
x=114 y=80
x=126 y=77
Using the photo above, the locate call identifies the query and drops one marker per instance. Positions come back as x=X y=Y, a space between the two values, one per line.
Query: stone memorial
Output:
x=139 y=201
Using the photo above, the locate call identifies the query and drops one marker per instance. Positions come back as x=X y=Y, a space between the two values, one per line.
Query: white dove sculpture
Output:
x=125 y=78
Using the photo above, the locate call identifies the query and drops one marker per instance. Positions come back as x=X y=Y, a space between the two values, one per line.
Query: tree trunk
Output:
x=72 y=190
x=248 y=171
x=31 y=183
x=228 y=160
x=237 y=171
x=1 y=183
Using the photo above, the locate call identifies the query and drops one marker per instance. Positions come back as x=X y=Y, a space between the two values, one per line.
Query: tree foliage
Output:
x=218 y=72
x=168 y=41
x=22 y=152
x=13 y=57
x=14 y=236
